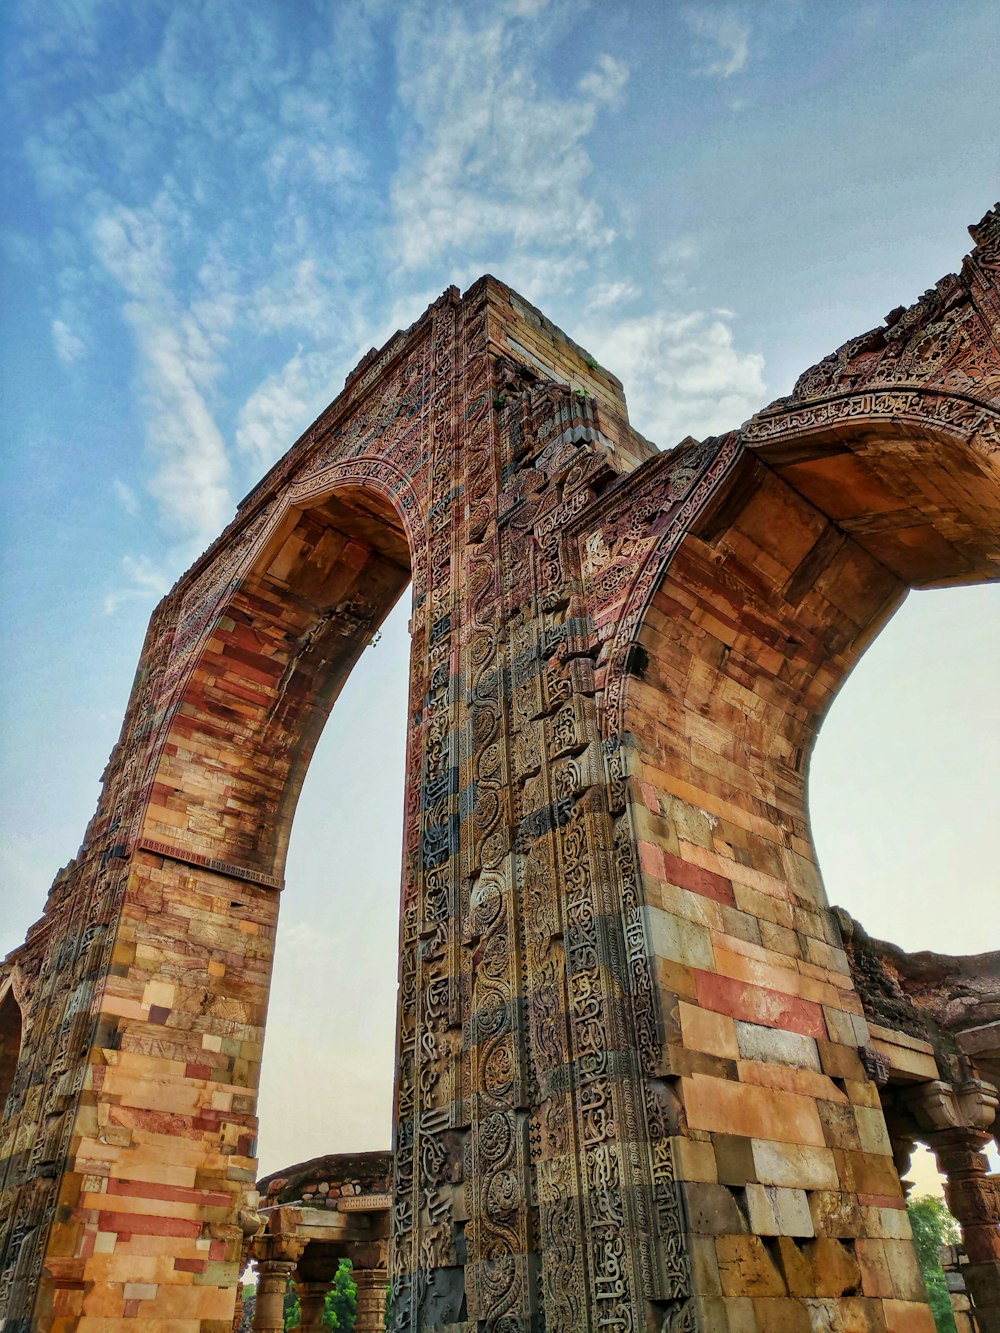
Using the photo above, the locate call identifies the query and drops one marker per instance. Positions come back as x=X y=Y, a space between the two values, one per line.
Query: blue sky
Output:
x=212 y=209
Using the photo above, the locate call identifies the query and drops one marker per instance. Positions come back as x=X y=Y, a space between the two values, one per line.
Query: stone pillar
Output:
x=956 y=1121
x=312 y=1298
x=371 y=1284
x=272 y=1283
x=974 y=1199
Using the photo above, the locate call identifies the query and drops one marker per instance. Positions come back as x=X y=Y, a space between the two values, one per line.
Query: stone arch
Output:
x=252 y=704
x=11 y=1040
x=562 y=1150
x=741 y=625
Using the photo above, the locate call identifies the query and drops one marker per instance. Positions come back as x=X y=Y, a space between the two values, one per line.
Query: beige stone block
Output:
x=788 y=1078
x=140 y=1291
x=678 y=940
x=794 y=1165
x=839 y=1025
x=693 y=1159
x=776 y=1046
x=762 y=906
x=872 y=1131
x=887 y=1223
x=781 y=1315
x=706 y=1030
x=780 y=939
x=845 y=1315
x=907 y=1279
x=795 y=1267
x=740 y=1314
x=876 y=1279
x=836 y=1213
x=691 y=823
x=752 y=1112
x=835 y=1269
x=908 y=1317
x=746 y=1268
x=910 y=1064
x=704 y=1265
x=773 y=1210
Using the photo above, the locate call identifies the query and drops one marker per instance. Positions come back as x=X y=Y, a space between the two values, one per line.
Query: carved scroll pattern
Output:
x=590 y=1163
x=974 y=423
x=498 y=1231
x=423 y=1241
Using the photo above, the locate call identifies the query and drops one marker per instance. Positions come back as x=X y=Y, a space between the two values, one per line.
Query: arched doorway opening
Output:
x=326 y=1082
x=11 y=1037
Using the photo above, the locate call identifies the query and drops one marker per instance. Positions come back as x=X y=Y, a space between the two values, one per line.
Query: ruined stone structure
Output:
x=314 y=1215
x=635 y=1085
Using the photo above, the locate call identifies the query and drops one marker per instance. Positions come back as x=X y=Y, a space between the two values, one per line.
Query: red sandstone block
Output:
x=200 y=1071
x=651 y=859
x=142 y=1225
x=881 y=1201
x=148 y=1189
x=191 y=1265
x=689 y=876
x=758 y=1004
x=650 y=797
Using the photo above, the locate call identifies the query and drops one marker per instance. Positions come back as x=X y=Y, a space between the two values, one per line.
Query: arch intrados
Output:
x=818 y=655
x=334 y=564
x=388 y=514
x=954 y=441
x=864 y=474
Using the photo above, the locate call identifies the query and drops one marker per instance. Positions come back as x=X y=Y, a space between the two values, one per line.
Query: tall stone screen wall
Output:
x=631 y=1083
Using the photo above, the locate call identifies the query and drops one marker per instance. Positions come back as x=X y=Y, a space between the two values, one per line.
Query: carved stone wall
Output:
x=628 y=1092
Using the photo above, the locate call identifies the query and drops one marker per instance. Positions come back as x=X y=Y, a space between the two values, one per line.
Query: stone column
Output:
x=371 y=1284
x=275 y=1254
x=312 y=1298
x=272 y=1283
x=956 y=1121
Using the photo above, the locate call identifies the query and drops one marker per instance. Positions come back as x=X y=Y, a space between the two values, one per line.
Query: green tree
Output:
x=341 y=1304
x=933 y=1226
x=249 y=1305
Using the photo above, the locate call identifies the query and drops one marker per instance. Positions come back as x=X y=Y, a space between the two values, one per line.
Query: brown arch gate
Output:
x=630 y=1091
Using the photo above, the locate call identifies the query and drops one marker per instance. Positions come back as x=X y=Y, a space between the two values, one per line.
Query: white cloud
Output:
x=682 y=374
x=278 y=411
x=179 y=359
x=492 y=162
x=606 y=294
x=143 y=582
x=69 y=346
x=722 y=42
x=605 y=83
x=128 y=498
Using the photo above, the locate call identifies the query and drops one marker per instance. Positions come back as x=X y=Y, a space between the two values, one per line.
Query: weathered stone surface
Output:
x=620 y=659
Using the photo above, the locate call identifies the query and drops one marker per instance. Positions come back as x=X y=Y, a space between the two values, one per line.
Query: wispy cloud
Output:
x=683 y=373
x=127 y=497
x=722 y=39
x=180 y=361
x=69 y=346
x=493 y=163
x=606 y=82
x=141 y=580
x=317 y=228
x=282 y=406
